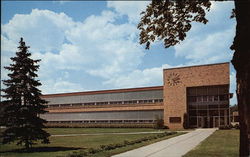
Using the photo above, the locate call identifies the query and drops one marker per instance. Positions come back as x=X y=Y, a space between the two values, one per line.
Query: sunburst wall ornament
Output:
x=173 y=79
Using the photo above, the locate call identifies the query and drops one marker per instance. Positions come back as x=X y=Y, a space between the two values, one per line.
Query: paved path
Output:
x=173 y=147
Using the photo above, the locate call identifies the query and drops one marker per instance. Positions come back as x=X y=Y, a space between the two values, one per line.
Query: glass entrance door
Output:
x=200 y=122
x=216 y=121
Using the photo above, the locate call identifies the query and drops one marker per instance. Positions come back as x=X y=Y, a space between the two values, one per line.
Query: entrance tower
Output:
x=196 y=96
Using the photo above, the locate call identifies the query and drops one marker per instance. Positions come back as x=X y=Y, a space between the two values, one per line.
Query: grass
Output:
x=223 y=143
x=61 y=146
x=62 y=131
x=130 y=147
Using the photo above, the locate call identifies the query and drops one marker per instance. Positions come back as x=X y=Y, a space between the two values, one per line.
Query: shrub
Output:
x=126 y=142
x=159 y=123
x=93 y=150
x=118 y=145
x=185 y=121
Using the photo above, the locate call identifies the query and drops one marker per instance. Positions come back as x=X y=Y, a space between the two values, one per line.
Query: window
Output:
x=205 y=98
x=115 y=102
x=223 y=90
x=191 y=99
x=216 y=98
x=199 y=98
x=156 y=100
x=210 y=98
x=191 y=92
x=134 y=101
x=223 y=97
x=140 y=101
x=89 y=103
x=150 y=101
x=77 y=104
x=213 y=90
x=193 y=106
x=213 y=106
x=54 y=105
x=76 y=121
x=101 y=103
x=102 y=121
x=175 y=119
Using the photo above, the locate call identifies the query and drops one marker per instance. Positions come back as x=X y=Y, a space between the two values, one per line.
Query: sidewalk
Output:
x=173 y=147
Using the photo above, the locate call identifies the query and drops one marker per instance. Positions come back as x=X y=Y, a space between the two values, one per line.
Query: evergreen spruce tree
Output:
x=23 y=101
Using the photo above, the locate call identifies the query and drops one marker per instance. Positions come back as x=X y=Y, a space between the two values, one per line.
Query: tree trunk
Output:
x=241 y=62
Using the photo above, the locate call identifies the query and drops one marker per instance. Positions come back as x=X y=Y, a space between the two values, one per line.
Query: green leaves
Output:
x=170 y=20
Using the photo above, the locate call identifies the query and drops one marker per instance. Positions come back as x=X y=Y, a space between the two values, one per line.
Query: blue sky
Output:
x=94 y=45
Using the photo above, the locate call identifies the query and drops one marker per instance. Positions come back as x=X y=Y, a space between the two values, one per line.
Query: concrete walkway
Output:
x=173 y=147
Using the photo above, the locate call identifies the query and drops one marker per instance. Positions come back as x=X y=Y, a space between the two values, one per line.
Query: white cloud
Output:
x=97 y=45
x=60 y=86
x=210 y=43
x=102 y=47
x=132 y=9
x=43 y=29
x=107 y=48
x=207 y=48
x=139 y=78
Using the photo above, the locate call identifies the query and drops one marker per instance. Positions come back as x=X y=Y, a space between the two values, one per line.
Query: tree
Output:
x=170 y=20
x=23 y=101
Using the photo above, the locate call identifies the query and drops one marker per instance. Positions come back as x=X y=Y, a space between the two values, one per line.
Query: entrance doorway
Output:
x=201 y=122
x=208 y=122
x=216 y=121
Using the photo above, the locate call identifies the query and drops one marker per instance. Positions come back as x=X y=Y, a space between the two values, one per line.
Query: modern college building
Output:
x=194 y=96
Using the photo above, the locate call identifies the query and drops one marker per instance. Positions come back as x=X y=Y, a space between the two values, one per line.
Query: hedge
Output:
x=125 y=143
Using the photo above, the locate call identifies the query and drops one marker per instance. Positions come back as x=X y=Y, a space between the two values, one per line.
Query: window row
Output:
x=207 y=106
x=208 y=98
x=208 y=90
x=108 y=103
x=105 y=121
x=222 y=112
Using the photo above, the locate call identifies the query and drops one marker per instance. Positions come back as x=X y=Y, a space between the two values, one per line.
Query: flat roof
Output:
x=104 y=91
x=197 y=65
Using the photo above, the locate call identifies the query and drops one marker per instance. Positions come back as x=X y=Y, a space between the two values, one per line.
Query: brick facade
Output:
x=173 y=93
x=176 y=81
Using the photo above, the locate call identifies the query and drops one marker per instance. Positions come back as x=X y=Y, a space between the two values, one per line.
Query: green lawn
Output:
x=223 y=143
x=61 y=146
x=61 y=131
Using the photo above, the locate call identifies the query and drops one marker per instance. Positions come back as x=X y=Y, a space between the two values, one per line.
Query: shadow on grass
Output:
x=41 y=149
